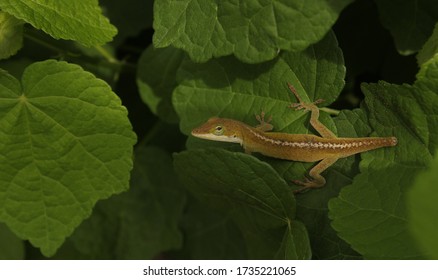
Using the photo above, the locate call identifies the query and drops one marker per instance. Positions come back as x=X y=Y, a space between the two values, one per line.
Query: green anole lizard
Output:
x=326 y=149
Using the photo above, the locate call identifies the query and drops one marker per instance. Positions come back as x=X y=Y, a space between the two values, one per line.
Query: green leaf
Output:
x=410 y=22
x=252 y=193
x=253 y=31
x=371 y=213
x=12 y=247
x=423 y=210
x=156 y=80
x=142 y=222
x=225 y=87
x=66 y=143
x=11 y=35
x=79 y=20
x=430 y=48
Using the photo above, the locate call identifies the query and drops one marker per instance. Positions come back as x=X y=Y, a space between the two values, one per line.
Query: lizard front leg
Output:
x=317 y=180
x=264 y=125
x=314 y=116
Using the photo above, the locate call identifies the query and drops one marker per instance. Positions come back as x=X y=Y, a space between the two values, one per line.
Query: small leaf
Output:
x=254 y=31
x=66 y=143
x=156 y=80
x=79 y=20
x=252 y=193
x=11 y=35
x=423 y=210
x=430 y=48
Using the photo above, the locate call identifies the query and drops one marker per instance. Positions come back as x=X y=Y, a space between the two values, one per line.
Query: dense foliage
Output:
x=97 y=100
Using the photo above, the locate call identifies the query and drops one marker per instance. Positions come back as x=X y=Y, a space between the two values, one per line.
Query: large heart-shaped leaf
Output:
x=66 y=142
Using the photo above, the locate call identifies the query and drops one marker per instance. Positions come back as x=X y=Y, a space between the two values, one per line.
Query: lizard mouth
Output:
x=222 y=138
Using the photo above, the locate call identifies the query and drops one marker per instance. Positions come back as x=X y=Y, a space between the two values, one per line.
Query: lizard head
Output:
x=218 y=129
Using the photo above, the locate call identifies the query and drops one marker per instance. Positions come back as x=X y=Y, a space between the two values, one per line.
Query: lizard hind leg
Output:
x=317 y=180
x=314 y=114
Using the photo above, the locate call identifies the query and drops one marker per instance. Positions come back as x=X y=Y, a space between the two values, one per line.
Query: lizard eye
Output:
x=219 y=130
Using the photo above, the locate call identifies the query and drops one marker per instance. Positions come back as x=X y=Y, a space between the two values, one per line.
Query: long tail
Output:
x=359 y=145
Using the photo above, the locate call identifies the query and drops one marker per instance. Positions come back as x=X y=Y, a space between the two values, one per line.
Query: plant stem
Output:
x=330 y=111
x=107 y=55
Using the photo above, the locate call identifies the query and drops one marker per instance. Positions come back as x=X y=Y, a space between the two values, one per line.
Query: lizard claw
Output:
x=261 y=118
x=306 y=182
x=297 y=106
x=318 y=101
x=302 y=105
x=305 y=106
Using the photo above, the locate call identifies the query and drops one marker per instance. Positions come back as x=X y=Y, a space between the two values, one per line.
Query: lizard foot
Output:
x=306 y=185
x=300 y=104
x=305 y=106
x=264 y=125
